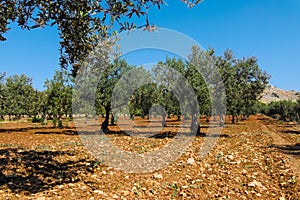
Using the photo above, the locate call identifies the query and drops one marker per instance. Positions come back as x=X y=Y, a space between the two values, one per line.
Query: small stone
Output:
x=191 y=161
x=158 y=176
x=258 y=194
x=258 y=184
x=230 y=157
x=126 y=193
x=99 y=192
x=183 y=194
x=251 y=184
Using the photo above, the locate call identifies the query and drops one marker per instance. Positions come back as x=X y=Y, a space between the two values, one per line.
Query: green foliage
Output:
x=283 y=110
x=37 y=120
x=107 y=81
x=105 y=86
x=81 y=24
x=243 y=80
x=54 y=121
x=16 y=96
x=198 y=59
x=3 y=96
x=58 y=96
x=244 y=83
x=143 y=99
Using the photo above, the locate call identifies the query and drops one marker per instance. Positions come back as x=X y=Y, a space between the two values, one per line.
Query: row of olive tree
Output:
x=18 y=97
x=285 y=110
x=243 y=82
x=242 y=79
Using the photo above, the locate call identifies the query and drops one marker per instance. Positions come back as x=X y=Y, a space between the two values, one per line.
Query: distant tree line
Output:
x=285 y=110
x=18 y=98
x=243 y=80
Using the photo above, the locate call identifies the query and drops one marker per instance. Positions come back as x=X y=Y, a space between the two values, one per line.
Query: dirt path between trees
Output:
x=283 y=145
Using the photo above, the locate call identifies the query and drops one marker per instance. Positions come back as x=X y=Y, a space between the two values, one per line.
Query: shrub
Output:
x=54 y=121
x=37 y=120
x=70 y=119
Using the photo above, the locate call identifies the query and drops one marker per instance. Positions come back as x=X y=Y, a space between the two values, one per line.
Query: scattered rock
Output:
x=257 y=184
x=157 y=176
x=99 y=192
x=191 y=161
x=230 y=157
x=125 y=192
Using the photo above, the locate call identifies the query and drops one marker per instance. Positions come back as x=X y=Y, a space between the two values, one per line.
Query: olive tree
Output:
x=59 y=95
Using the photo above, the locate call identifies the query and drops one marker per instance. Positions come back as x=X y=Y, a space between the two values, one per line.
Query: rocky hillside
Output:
x=273 y=93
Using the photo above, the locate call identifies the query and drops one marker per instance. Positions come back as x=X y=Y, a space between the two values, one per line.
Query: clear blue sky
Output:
x=267 y=29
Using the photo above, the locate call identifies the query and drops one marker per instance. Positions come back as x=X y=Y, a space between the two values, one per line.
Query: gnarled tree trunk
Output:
x=195 y=127
x=104 y=125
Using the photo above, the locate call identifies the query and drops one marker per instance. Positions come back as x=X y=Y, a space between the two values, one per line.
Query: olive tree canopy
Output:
x=81 y=23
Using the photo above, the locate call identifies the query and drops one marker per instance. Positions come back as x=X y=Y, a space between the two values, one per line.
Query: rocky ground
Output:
x=256 y=159
x=272 y=93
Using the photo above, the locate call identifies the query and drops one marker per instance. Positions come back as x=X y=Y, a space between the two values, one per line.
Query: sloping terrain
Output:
x=273 y=93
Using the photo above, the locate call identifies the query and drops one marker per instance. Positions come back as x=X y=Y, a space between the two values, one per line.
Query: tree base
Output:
x=104 y=127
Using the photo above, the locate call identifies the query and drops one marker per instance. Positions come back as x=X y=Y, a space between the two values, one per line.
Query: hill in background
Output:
x=273 y=93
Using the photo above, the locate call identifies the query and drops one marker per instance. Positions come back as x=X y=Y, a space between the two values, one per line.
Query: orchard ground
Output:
x=255 y=159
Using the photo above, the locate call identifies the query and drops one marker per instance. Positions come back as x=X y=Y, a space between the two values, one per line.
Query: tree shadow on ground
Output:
x=42 y=130
x=170 y=134
x=65 y=132
x=33 y=171
x=9 y=130
x=219 y=135
x=167 y=134
x=292 y=131
x=111 y=132
x=288 y=149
